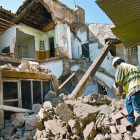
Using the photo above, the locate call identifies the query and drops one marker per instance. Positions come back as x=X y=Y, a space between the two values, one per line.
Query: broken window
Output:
x=36 y=92
x=133 y=50
x=85 y=50
x=133 y=55
x=46 y=88
x=51 y=44
x=26 y=94
x=10 y=93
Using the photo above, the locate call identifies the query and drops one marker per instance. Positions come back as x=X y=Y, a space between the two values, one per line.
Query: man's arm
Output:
x=119 y=76
x=118 y=81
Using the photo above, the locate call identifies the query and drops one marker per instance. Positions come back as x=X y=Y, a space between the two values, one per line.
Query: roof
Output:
x=6 y=18
x=34 y=14
x=125 y=14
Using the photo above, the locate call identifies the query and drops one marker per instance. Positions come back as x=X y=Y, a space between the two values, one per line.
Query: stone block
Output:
x=50 y=95
x=75 y=126
x=64 y=112
x=31 y=122
x=90 y=131
x=47 y=104
x=54 y=128
x=36 y=108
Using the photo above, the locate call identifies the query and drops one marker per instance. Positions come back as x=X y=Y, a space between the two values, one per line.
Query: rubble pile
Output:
x=90 y=117
x=27 y=66
x=83 y=61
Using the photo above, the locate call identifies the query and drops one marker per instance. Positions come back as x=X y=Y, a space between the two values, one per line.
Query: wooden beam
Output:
x=55 y=84
x=66 y=81
x=15 y=109
x=7 y=21
x=81 y=86
x=19 y=94
x=42 y=92
x=25 y=11
x=1 y=103
x=24 y=75
x=32 y=96
x=11 y=100
x=5 y=24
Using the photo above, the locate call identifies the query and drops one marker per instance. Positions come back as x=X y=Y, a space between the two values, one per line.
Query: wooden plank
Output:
x=21 y=79
x=5 y=24
x=42 y=92
x=1 y=103
x=32 y=93
x=55 y=84
x=66 y=81
x=10 y=100
x=15 y=109
x=24 y=75
x=7 y=21
x=81 y=86
x=19 y=94
x=25 y=11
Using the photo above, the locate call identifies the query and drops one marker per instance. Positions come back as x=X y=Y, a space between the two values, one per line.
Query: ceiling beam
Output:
x=5 y=27
x=1 y=23
x=7 y=21
x=25 y=11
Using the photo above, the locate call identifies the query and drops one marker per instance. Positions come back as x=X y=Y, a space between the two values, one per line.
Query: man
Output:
x=128 y=76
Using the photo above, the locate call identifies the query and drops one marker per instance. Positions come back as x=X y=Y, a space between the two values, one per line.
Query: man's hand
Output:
x=119 y=90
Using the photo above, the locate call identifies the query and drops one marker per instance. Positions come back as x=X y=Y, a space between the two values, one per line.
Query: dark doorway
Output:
x=85 y=50
x=51 y=43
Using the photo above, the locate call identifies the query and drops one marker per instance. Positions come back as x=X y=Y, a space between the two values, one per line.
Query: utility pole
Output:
x=75 y=3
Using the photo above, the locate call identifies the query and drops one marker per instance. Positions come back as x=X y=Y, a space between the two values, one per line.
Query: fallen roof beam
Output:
x=25 y=11
x=7 y=21
x=15 y=109
x=64 y=83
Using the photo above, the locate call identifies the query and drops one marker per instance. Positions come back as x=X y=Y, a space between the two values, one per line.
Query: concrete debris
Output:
x=64 y=112
x=27 y=66
x=50 y=95
x=36 y=108
x=82 y=118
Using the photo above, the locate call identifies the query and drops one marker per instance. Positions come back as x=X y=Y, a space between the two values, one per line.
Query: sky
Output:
x=93 y=14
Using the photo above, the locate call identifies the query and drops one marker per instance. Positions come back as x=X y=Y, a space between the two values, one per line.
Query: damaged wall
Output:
x=40 y=37
x=63 y=40
x=56 y=66
x=61 y=13
x=8 y=39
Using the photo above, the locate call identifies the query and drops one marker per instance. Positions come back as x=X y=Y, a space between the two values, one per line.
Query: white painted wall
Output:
x=55 y=66
x=63 y=38
x=8 y=39
x=91 y=89
x=76 y=47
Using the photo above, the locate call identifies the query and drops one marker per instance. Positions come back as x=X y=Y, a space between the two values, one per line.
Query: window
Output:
x=85 y=50
x=132 y=50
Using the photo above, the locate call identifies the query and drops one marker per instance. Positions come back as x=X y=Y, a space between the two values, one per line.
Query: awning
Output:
x=125 y=14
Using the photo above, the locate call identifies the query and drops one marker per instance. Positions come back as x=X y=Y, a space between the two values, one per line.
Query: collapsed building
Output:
x=59 y=40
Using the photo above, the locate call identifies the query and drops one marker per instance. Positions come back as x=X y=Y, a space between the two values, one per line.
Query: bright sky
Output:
x=93 y=13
